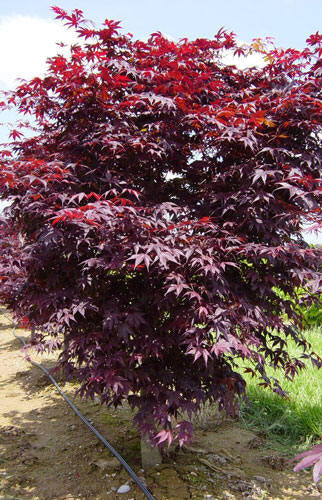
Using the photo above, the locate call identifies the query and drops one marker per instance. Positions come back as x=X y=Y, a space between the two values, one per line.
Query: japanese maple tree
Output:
x=156 y=214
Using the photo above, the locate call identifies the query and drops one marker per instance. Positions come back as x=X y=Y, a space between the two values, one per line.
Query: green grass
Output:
x=294 y=422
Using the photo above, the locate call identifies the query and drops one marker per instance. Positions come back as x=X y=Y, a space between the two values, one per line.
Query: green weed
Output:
x=293 y=422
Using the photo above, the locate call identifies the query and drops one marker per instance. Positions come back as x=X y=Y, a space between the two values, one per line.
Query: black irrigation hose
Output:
x=86 y=422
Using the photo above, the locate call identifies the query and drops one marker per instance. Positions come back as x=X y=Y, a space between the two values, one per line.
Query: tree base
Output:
x=150 y=457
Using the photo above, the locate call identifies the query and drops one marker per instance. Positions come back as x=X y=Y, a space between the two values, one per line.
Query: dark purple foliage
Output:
x=154 y=212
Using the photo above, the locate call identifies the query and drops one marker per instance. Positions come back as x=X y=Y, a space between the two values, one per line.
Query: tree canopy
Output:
x=156 y=214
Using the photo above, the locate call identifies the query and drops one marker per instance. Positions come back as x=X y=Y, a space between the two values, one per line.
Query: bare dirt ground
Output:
x=47 y=453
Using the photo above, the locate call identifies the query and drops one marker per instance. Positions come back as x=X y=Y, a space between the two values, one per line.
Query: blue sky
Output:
x=289 y=21
x=28 y=32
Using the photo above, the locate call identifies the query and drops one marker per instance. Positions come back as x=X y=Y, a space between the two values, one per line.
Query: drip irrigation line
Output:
x=86 y=422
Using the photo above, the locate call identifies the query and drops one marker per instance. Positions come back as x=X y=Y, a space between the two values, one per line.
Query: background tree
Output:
x=155 y=211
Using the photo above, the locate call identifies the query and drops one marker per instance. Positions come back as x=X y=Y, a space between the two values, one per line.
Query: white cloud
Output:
x=249 y=61
x=3 y=205
x=243 y=62
x=26 y=43
x=312 y=233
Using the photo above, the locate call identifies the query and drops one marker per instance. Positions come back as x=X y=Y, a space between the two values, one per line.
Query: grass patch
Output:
x=295 y=422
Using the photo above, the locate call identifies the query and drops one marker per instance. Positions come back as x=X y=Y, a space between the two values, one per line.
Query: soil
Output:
x=47 y=453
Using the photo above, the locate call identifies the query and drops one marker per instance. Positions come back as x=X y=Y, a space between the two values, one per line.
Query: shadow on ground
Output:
x=49 y=453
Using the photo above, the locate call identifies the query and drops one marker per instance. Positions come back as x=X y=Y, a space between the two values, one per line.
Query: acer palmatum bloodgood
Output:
x=155 y=212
